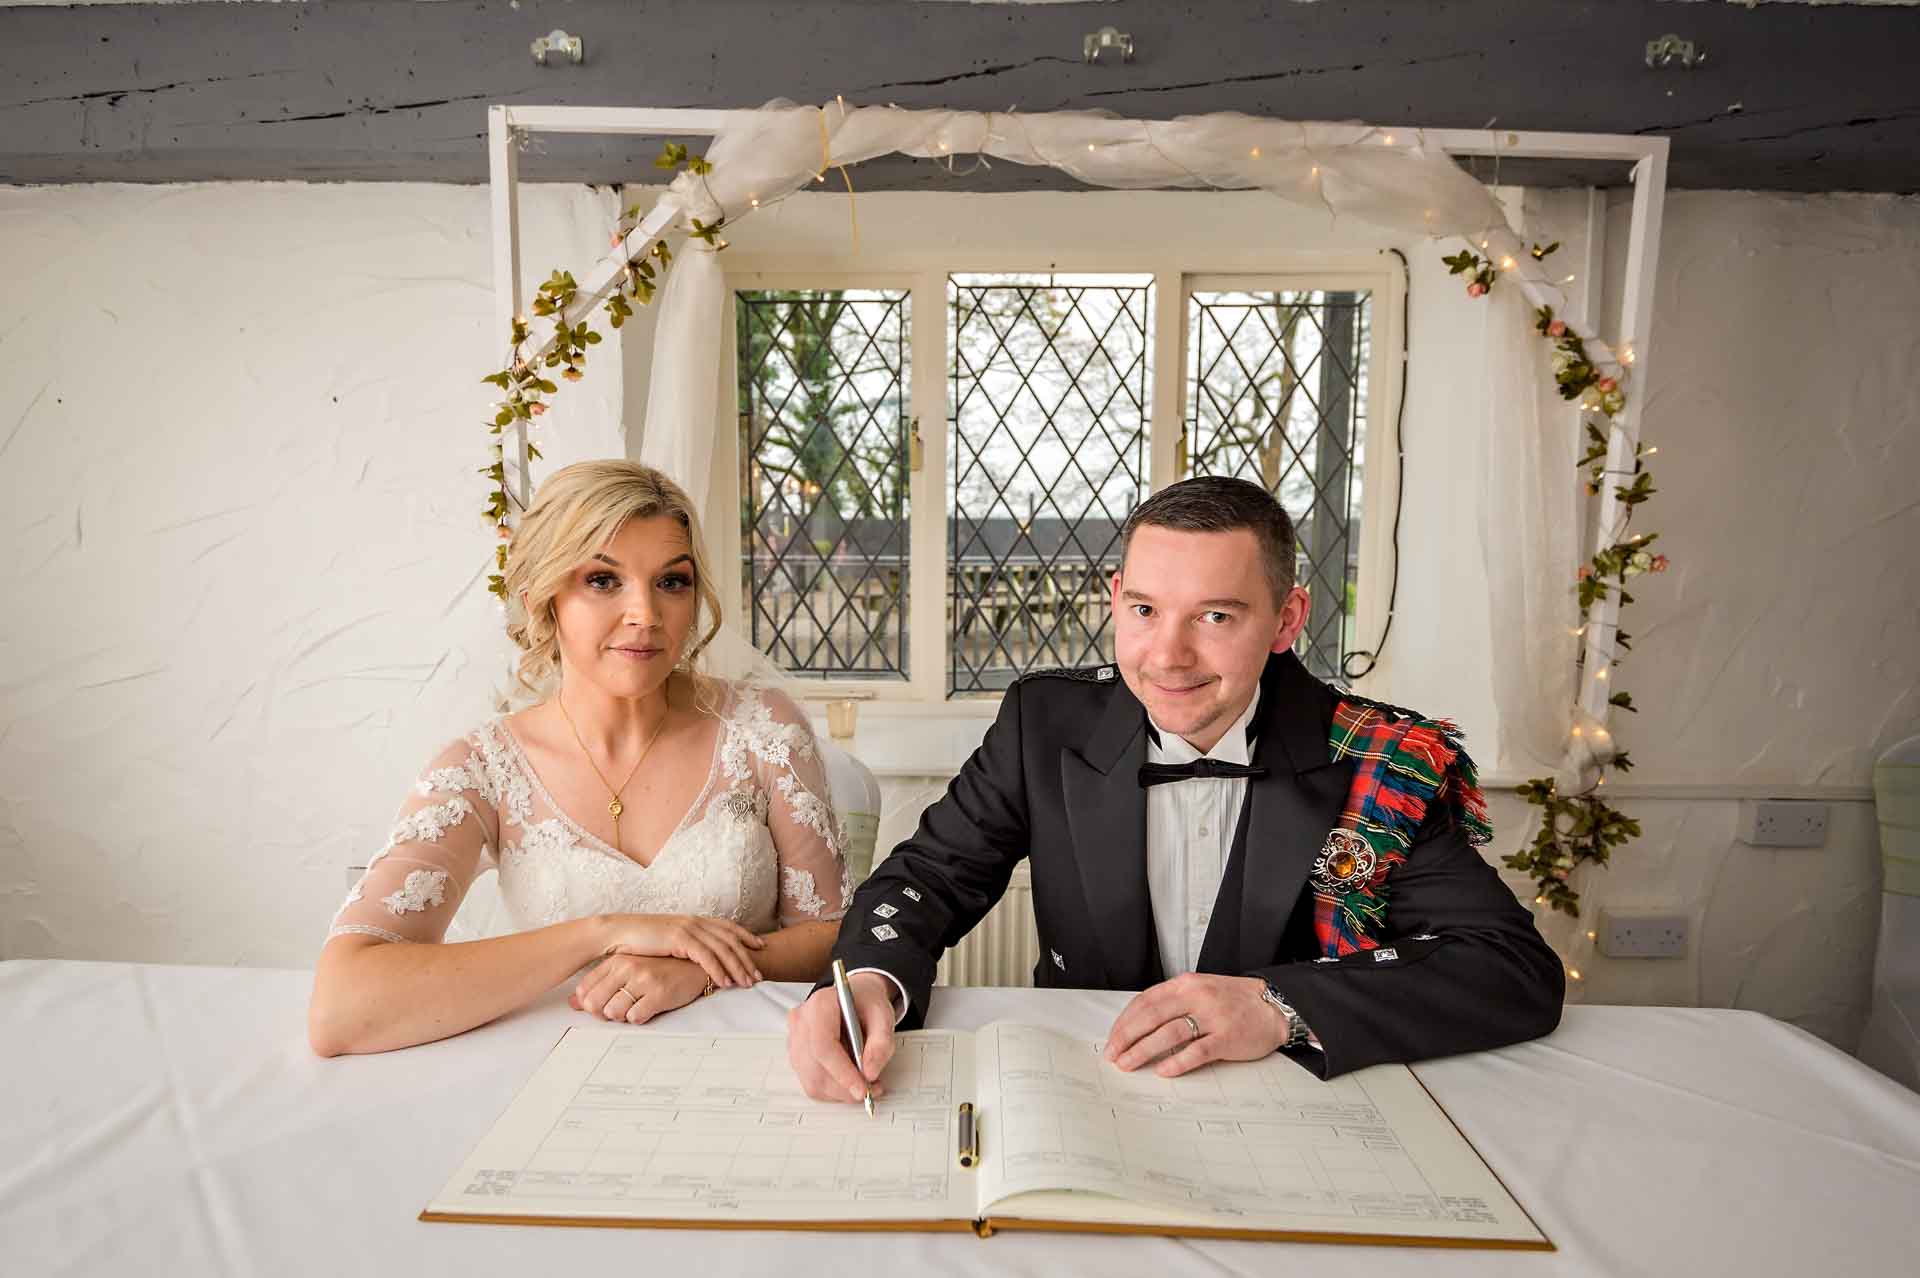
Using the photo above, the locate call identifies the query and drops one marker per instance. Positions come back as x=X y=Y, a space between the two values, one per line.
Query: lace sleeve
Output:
x=808 y=836
x=439 y=844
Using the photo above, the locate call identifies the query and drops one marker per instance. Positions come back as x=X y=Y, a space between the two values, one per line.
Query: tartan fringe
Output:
x=1406 y=765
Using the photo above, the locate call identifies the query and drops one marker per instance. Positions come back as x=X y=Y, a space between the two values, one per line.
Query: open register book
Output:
x=626 y=1126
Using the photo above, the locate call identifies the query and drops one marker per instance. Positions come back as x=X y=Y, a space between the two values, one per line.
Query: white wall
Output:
x=238 y=429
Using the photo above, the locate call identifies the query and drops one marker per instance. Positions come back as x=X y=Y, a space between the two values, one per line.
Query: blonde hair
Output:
x=576 y=514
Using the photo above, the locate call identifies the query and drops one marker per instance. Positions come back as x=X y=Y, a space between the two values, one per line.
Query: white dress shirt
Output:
x=1190 y=827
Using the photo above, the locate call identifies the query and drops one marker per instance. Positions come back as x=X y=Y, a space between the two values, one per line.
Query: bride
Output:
x=668 y=830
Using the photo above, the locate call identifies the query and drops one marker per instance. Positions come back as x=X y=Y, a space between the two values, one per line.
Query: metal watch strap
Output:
x=1296 y=1026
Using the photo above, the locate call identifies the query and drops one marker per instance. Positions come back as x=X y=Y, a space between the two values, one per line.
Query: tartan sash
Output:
x=1406 y=764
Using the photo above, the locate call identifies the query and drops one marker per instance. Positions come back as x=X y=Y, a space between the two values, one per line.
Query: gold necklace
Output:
x=614 y=806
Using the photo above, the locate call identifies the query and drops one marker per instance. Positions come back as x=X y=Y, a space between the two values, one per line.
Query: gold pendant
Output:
x=614 y=809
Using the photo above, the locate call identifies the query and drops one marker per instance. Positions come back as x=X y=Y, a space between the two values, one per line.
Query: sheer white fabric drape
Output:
x=1387 y=177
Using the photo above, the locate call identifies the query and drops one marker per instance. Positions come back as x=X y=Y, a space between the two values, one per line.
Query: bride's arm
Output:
x=797 y=953
x=811 y=843
x=373 y=995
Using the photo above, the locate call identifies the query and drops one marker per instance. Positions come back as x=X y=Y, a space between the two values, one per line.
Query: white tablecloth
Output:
x=170 y=1120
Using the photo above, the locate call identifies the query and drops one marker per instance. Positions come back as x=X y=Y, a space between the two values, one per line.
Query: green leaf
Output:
x=1624 y=700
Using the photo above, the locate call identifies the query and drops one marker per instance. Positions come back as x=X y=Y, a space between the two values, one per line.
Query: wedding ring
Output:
x=1193 y=1026
x=631 y=999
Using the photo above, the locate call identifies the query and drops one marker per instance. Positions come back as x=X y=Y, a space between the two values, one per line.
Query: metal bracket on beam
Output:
x=558 y=41
x=1669 y=49
x=1103 y=40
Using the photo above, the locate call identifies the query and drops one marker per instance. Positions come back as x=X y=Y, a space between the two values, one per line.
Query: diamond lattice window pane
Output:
x=1277 y=393
x=1048 y=441
x=823 y=508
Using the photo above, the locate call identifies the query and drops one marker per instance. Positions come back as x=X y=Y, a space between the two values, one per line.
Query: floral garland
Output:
x=1582 y=828
x=527 y=388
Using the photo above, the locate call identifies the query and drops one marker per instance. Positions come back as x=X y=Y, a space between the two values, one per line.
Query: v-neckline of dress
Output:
x=526 y=765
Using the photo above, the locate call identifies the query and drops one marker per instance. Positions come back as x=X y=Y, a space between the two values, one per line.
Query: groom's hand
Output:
x=1232 y=1021
x=817 y=1051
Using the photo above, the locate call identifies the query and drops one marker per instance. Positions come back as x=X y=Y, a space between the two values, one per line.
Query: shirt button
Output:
x=1203 y=831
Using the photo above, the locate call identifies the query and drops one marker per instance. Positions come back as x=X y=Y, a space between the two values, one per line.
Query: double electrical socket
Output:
x=1782 y=823
x=1623 y=935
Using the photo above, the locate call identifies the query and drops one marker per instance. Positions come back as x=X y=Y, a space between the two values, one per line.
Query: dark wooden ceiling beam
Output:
x=1791 y=97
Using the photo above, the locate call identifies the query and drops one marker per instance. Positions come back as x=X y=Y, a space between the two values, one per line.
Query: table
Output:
x=170 y=1120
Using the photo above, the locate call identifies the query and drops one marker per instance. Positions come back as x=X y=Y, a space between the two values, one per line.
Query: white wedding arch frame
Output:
x=510 y=126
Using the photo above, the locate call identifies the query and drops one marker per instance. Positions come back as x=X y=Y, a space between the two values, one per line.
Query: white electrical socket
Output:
x=1623 y=935
x=1782 y=823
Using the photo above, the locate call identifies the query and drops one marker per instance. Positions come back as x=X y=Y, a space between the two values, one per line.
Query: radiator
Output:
x=1002 y=949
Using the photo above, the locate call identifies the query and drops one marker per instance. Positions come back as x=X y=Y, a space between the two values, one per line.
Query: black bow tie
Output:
x=1205 y=769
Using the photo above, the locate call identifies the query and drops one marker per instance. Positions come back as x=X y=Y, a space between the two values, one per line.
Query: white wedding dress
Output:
x=756 y=846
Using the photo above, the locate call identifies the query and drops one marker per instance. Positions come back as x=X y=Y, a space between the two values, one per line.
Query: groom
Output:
x=1274 y=864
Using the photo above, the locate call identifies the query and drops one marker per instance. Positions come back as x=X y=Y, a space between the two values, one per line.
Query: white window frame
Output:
x=1174 y=282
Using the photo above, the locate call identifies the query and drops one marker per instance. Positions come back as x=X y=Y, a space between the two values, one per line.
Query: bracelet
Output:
x=709 y=989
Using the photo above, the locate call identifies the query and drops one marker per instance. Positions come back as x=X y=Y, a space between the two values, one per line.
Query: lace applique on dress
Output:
x=428 y=824
x=452 y=780
x=361 y=929
x=812 y=811
x=799 y=887
x=422 y=889
x=507 y=784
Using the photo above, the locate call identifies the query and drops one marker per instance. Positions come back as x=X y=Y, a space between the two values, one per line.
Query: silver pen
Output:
x=843 y=990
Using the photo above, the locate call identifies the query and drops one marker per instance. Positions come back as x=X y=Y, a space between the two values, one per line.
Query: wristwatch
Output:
x=1296 y=1025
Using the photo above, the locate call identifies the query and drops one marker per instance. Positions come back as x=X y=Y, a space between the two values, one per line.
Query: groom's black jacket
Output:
x=1460 y=966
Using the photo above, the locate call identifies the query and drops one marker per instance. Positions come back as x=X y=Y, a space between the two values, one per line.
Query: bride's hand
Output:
x=628 y=988
x=722 y=948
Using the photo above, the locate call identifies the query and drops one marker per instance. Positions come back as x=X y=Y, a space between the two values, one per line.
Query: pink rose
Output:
x=1557 y=329
x=1586 y=571
x=1607 y=385
x=506 y=533
x=536 y=409
x=1476 y=289
x=1659 y=563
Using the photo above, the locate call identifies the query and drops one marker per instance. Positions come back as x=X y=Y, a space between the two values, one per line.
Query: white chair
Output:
x=1891 y=1041
x=856 y=797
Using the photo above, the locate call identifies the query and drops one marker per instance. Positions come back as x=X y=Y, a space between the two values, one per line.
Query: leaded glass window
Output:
x=1047 y=441
x=1277 y=393
x=824 y=422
